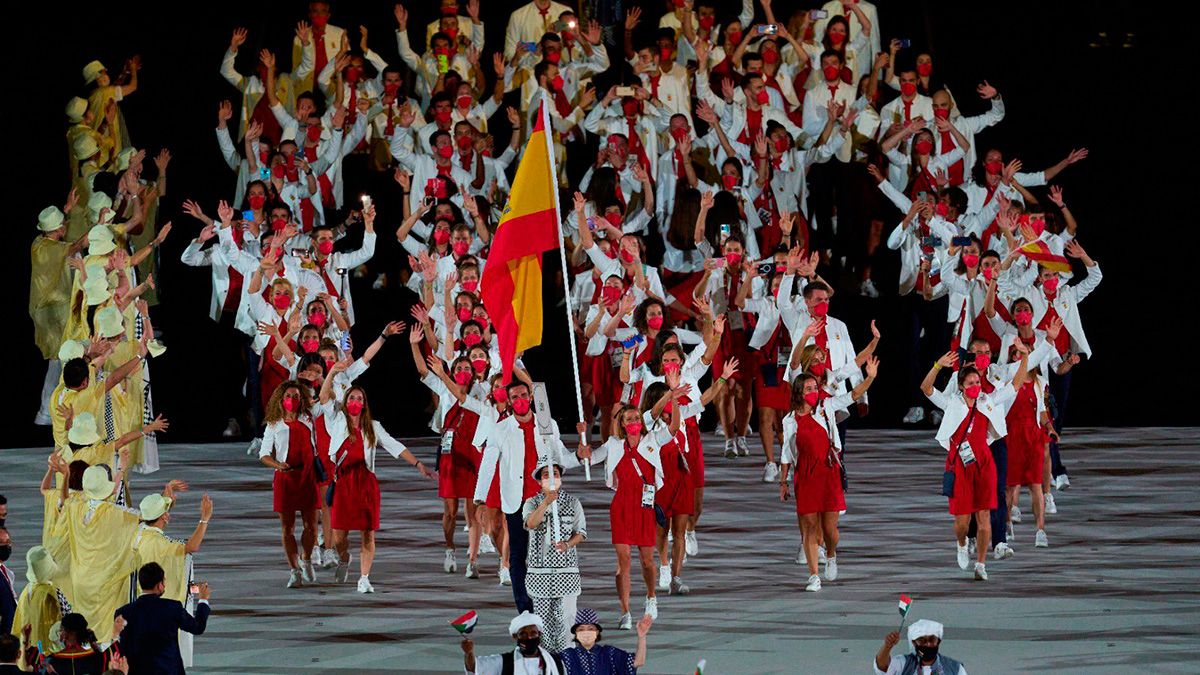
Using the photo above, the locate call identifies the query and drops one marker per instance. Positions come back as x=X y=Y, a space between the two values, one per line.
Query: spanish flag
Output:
x=1039 y=252
x=512 y=279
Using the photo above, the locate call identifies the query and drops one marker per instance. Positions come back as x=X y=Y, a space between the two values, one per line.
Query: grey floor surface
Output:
x=1118 y=590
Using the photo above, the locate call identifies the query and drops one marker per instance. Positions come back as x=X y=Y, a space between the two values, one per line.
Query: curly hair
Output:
x=274 y=409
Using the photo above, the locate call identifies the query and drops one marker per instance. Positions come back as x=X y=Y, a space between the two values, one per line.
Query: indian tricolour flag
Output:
x=700 y=667
x=466 y=622
x=905 y=603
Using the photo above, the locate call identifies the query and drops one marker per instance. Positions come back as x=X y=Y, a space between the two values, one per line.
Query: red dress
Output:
x=356 y=497
x=459 y=469
x=273 y=373
x=606 y=382
x=974 y=485
x=632 y=523
x=778 y=397
x=735 y=342
x=695 y=448
x=816 y=478
x=323 y=455
x=1026 y=440
x=296 y=490
x=677 y=495
x=642 y=358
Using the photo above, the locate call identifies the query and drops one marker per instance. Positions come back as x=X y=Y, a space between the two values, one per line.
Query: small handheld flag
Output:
x=700 y=667
x=1039 y=252
x=905 y=604
x=465 y=623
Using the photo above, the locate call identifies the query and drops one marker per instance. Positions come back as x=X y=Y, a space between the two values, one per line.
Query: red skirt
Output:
x=778 y=397
x=677 y=496
x=974 y=485
x=493 y=496
x=1026 y=451
x=819 y=488
x=356 y=500
x=606 y=382
x=632 y=523
x=457 y=476
x=682 y=286
x=296 y=490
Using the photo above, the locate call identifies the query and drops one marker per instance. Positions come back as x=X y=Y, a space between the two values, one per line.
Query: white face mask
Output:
x=586 y=638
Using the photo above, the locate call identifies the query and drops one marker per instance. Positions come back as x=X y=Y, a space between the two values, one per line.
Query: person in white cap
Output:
x=529 y=658
x=42 y=602
x=49 y=293
x=556 y=525
x=926 y=638
x=83 y=123
x=103 y=93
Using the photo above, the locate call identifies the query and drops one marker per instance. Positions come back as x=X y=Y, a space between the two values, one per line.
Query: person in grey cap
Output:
x=592 y=658
x=926 y=638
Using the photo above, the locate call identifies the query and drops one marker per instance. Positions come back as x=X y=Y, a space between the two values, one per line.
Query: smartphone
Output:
x=625 y=91
x=922 y=196
x=960 y=241
x=428 y=201
x=905 y=43
x=630 y=342
x=344 y=342
x=725 y=231
x=766 y=268
x=248 y=215
x=530 y=46
x=931 y=242
x=769 y=29
x=818 y=14
x=264 y=174
x=194 y=589
x=300 y=252
x=366 y=201
x=720 y=262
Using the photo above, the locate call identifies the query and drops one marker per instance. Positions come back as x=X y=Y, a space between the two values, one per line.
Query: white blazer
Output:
x=825 y=414
x=841 y=348
x=1066 y=303
x=994 y=407
x=908 y=243
x=505 y=453
x=276 y=437
x=214 y=257
x=338 y=428
x=653 y=438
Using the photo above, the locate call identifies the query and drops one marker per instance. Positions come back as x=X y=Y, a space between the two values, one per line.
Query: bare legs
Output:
x=366 y=552
x=678 y=527
x=810 y=529
x=624 y=560
x=766 y=431
x=449 y=520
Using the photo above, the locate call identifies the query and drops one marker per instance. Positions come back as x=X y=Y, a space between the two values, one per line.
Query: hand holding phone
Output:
x=818 y=14
x=769 y=29
x=960 y=241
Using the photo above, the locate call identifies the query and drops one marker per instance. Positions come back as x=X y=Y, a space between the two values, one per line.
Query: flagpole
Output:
x=566 y=275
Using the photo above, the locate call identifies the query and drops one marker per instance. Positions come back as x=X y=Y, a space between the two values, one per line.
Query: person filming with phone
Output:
x=150 y=637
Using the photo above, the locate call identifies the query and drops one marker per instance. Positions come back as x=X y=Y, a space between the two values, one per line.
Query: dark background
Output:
x=1071 y=76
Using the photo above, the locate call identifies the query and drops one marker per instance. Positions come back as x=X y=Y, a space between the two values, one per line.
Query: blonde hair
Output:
x=809 y=354
x=286 y=285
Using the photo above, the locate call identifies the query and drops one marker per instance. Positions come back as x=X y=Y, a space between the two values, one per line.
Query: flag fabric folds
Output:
x=1039 y=252
x=465 y=623
x=905 y=603
x=529 y=226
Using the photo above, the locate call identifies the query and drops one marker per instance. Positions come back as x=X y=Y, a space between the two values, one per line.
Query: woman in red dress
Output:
x=812 y=445
x=271 y=314
x=632 y=469
x=287 y=448
x=972 y=419
x=489 y=516
x=1028 y=447
x=354 y=439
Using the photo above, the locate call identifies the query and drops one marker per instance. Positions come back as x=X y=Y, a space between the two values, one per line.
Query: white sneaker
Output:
x=1009 y=531
x=652 y=607
x=964 y=558
x=868 y=289
x=505 y=578
x=467 y=527
x=294 y=580
x=821 y=553
x=770 y=473
x=1051 y=507
x=329 y=558
x=232 y=430
x=1062 y=482
x=449 y=565
x=831 y=569
x=255 y=444
x=1002 y=551
x=742 y=448
x=341 y=572
x=316 y=553
x=730 y=448
x=801 y=559
x=626 y=622
x=914 y=415
x=364 y=585
x=486 y=545
x=678 y=587
x=472 y=570
x=935 y=418
x=980 y=572
x=814 y=583
x=1015 y=514
x=309 y=572
x=1040 y=541
x=689 y=543
x=664 y=578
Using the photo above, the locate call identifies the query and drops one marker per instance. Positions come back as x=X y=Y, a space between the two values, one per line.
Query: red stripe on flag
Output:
x=539 y=233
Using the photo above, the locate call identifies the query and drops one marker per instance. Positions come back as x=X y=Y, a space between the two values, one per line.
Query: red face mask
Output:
x=445 y=151
x=610 y=294
x=479 y=365
x=613 y=218
x=762 y=97
x=732 y=259
x=670 y=367
x=278 y=171
x=941 y=113
x=631 y=108
x=817 y=368
x=281 y=301
x=470 y=286
x=970 y=260
x=317 y=319
x=554 y=57
x=354 y=407
x=464 y=314
x=812 y=397
x=278 y=224
x=291 y=404
x=257 y=201
x=679 y=133
x=462 y=377
x=831 y=73
x=353 y=75
x=1051 y=285
x=463 y=102
x=500 y=395
x=557 y=83
x=836 y=39
x=1023 y=318
x=391 y=88
x=1038 y=225
x=442 y=115
x=733 y=37
x=329 y=363
x=464 y=142
x=441 y=236
x=940 y=208
x=310 y=346
x=770 y=56
x=319 y=21
x=972 y=391
x=924 y=69
x=520 y=405
x=989 y=273
x=461 y=247
x=706 y=22
x=982 y=361
x=924 y=147
x=908 y=89
x=627 y=256
x=664 y=54
x=993 y=168
x=452 y=33
x=633 y=429
x=782 y=145
x=325 y=247
x=472 y=339
x=654 y=322
x=729 y=181
x=821 y=309
x=313 y=132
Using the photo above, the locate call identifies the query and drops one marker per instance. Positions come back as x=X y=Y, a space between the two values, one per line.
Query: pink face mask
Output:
x=812 y=397
x=441 y=236
x=982 y=361
x=472 y=339
x=654 y=322
x=1023 y=318
x=479 y=365
x=729 y=182
x=464 y=314
x=633 y=429
x=310 y=346
x=732 y=259
x=281 y=301
x=817 y=368
x=325 y=247
x=470 y=286
x=626 y=255
x=970 y=260
x=500 y=395
x=317 y=319
x=670 y=367
x=462 y=377
x=354 y=407
x=821 y=309
x=610 y=294
x=520 y=405
x=461 y=247
x=762 y=97
x=1051 y=285
x=989 y=273
x=291 y=404
x=972 y=391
